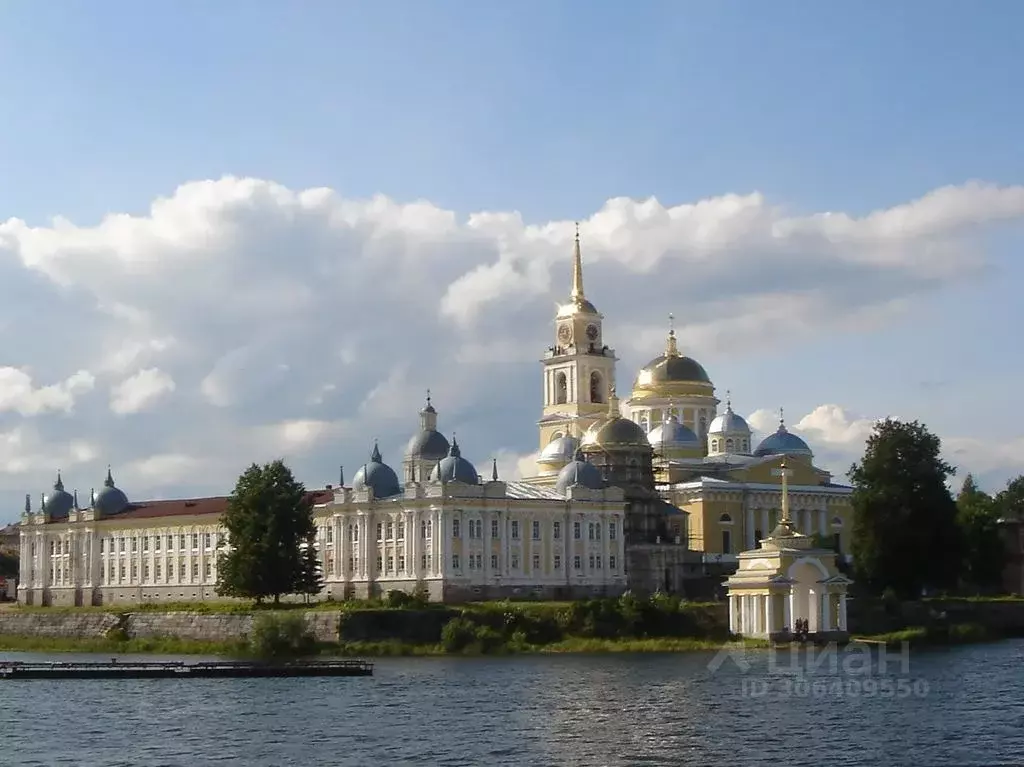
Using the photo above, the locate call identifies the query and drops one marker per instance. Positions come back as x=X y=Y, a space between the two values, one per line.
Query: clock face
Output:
x=592 y=332
x=564 y=333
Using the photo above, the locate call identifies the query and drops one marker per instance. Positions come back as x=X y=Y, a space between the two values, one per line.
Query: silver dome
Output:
x=377 y=476
x=579 y=472
x=428 y=444
x=672 y=434
x=455 y=468
x=729 y=423
x=560 y=450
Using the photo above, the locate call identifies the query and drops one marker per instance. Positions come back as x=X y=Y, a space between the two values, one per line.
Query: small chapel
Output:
x=789 y=588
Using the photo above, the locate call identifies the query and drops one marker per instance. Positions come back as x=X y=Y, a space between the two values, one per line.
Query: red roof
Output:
x=194 y=506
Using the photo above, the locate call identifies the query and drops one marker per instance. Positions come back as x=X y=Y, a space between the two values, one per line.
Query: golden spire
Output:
x=671 y=350
x=577 y=269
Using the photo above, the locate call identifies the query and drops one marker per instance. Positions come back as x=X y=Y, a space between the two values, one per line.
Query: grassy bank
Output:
x=382 y=649
x=936 y=636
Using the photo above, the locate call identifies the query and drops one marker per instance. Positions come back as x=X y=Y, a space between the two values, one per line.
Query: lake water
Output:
x=958 y=706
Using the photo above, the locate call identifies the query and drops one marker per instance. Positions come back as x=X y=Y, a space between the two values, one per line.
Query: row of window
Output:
x=130 y=572
x=727 y=541
x=181 y=542
x=593 y=530
x=475 y=562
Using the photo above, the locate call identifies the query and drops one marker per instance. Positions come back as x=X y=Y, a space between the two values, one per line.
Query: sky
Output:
x=239 y=231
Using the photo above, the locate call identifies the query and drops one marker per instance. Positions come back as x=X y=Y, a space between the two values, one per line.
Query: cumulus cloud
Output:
x=19 y=394
x=302 y=323
x=141 y=391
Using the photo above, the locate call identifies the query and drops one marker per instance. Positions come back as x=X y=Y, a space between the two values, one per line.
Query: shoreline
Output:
x=379 y=649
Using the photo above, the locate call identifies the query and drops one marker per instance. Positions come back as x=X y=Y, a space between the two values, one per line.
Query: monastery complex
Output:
x=660 y=490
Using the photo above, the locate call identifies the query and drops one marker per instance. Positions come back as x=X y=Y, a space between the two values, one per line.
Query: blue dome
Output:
x=455 y=468
x=560 y=450
x=782 y=442
x=672 y=434
x=579 y=472
x=110 y=499
x=60 y=502
x=428 y=443
x=377 y=476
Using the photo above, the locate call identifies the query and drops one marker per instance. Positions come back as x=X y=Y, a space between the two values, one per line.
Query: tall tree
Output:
x=984 y=550
x=905 y=531
x=268 y=517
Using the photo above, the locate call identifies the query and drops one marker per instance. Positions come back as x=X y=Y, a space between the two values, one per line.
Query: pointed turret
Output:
x=341 y=476
x=494 y=470
x=577 y=269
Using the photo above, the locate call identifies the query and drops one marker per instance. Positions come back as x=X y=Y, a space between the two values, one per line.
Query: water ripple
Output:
x=537 y=711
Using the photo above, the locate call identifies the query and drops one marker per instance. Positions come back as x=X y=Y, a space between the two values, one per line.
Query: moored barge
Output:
x=128 y=669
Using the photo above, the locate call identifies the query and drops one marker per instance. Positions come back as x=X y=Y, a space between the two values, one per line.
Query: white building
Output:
x=452 y=534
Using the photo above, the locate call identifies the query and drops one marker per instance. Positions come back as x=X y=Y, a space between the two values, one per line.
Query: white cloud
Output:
x=18 y=394
x=141 y=391
x=304 y=323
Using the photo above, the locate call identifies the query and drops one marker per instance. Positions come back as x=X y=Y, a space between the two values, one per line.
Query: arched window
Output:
x=837 y=522
x=725 y=519
x=561 y=389
x=556 y=435
x=596 y=388
x=728 y=446
x=714 y=445
x=746 y=446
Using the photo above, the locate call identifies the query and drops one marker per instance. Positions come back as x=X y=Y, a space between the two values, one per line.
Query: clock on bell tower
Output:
x=579 y=369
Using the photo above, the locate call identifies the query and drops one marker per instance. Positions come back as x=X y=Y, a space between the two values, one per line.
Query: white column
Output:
x=764 y=523
x=748 y=533
x=822 y=522
x=826 y=610
x=813 y=610
x=769 y=615
x=733 y=615
x=842 y=612
x=787 y=610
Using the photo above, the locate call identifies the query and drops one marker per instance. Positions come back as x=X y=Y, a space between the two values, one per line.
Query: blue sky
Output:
x=550 y=109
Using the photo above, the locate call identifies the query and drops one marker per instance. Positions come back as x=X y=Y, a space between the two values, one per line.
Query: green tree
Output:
x=311 y=579
x=1010 y=501
x=984 y=551
x=269 y=517
x=8 y=564
x=905 y=531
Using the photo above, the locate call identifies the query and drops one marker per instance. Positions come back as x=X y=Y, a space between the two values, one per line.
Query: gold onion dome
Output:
x=670 y=368
x=615 y=431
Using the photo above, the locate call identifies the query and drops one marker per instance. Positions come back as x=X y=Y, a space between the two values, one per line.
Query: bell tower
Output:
x=579 y=368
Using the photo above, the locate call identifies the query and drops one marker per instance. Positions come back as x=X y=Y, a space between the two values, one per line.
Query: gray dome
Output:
x=59 y=503
x=455 y=468
x=559 y=450
x=672 y=434
x=728 y=423
x=110 y=499
x=579 y=472
x=377 y=476
x=782 y=442
x=428 y=444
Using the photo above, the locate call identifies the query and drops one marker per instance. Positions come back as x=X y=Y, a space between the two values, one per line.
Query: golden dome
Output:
x=615 y=432
x=672 y=368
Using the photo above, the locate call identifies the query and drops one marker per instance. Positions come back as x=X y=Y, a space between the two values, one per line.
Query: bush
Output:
x=458 y=634
x=280 y=636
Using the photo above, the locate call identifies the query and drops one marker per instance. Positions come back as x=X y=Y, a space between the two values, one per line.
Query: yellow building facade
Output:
x=707 y=460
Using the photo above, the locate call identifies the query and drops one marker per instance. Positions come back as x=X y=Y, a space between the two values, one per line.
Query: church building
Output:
x=653 y=493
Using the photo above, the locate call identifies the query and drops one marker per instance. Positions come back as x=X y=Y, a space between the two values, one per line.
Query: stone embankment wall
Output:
x=147 y=625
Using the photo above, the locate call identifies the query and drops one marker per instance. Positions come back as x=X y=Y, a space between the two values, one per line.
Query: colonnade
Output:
x=758 y=615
